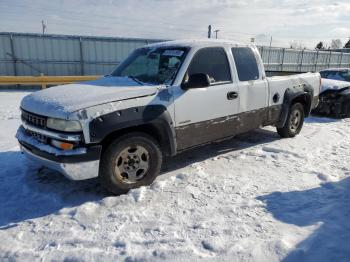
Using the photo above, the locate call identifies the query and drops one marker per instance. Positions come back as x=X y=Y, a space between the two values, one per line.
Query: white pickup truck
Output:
x=163 y=99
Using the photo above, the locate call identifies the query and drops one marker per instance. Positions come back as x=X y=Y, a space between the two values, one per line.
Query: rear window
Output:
x=246 y=64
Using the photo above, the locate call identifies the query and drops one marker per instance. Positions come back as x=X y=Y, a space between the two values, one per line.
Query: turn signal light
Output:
x=62 y=145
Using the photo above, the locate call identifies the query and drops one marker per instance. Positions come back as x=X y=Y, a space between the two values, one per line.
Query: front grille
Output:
x=33 y=119
x=37 y=121
x=39 y=137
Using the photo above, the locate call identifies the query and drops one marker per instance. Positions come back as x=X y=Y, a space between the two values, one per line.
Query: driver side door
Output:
x=209 y=113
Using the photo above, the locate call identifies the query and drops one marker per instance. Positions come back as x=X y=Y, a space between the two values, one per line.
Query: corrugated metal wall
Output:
x=290 y=60
x=33 y=54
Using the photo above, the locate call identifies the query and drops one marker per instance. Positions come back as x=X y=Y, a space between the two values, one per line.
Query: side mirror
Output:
x=197 y=81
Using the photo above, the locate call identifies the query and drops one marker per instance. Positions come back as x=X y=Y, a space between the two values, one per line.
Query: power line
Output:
x=103 y=25
x=87 y=23
x=70 y=28
x=143 y=21
x=160 y=24
x=173 y=28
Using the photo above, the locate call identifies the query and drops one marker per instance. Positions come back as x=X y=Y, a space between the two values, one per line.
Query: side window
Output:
x=213 y=62
x=246 y=64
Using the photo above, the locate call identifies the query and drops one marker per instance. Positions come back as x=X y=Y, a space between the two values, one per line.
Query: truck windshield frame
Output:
x=156 y=66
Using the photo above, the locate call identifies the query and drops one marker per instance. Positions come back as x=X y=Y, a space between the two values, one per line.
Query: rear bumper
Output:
x=74 y=166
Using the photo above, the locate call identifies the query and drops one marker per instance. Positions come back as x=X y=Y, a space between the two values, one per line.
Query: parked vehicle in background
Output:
x=335 y=94
x=334 y=97
x=341 y=74
x=163 y=99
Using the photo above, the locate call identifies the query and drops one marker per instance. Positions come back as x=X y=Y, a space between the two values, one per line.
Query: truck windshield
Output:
x=152 y=65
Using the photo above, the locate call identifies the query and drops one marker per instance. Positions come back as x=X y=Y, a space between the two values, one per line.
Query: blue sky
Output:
x=306 y=22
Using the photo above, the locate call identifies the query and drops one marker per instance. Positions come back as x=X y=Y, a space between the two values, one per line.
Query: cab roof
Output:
x=199 y=43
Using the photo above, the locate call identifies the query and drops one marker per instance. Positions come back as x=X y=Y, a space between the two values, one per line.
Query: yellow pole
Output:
x=43 y=85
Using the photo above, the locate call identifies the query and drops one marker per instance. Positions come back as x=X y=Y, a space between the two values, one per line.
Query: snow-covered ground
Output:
x=253 y=198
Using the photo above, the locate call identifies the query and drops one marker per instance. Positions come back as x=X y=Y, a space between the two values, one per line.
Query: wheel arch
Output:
x=153 y=120
x=302 y=94
x=156 y=131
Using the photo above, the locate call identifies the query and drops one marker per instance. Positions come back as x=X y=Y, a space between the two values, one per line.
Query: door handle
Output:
x=232 y=95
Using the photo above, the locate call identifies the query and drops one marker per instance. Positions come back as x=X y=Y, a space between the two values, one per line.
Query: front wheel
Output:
x=294 y=123
x=130 y=161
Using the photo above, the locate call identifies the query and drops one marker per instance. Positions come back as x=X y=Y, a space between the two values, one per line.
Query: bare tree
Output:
x=297 y=45
x=336 y=44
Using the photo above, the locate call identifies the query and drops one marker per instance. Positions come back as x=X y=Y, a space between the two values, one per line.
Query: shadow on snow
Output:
x=29 y=193
x=328 y=205
x=317 y=119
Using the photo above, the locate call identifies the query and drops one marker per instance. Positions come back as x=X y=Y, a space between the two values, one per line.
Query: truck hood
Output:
x=60 y=101
x=330 y=84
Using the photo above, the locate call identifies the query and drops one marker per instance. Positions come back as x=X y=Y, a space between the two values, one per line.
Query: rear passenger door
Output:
x=253 y=88
x=202 y=114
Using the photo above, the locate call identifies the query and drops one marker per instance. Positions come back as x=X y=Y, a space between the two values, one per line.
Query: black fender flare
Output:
x=154 y=116
x=302 y=93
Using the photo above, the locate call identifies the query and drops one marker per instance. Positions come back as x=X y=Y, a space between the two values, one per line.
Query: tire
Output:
x=294 y=122
x=130 y=161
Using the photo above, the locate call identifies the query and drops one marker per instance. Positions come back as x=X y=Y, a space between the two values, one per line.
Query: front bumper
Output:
x=334 y=103
x=75 y=165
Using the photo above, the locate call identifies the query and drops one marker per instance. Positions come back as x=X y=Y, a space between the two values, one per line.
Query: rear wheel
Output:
x=294 y=123
x=130 y=161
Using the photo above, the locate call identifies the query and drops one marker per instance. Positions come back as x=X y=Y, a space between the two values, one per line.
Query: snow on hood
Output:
x=330 y=84
x=59 y=101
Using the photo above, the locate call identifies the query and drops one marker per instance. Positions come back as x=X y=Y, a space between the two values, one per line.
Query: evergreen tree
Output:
x=320 y=46
x=347 y=45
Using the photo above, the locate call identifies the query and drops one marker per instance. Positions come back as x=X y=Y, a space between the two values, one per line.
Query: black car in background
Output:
x=335 y=93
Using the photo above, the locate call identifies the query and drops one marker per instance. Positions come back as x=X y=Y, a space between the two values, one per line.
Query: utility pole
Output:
x=216 y=33
x=209 y=31
x=43 y=25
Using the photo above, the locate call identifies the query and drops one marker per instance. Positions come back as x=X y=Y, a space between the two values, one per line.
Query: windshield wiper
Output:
x=136 y=80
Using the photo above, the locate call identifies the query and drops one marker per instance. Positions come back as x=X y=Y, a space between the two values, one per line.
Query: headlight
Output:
x=63 y=125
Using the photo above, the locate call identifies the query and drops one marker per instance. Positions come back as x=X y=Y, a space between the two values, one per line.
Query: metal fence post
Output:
x=341 y=59
x=329 y=60
x=81 y=56
x=316 y=60
x=268 y=59
x=301 y=61
x=14 y=58
x=284 y=50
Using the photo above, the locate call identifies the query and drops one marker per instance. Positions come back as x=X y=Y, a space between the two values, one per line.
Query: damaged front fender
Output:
x=335 y=103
